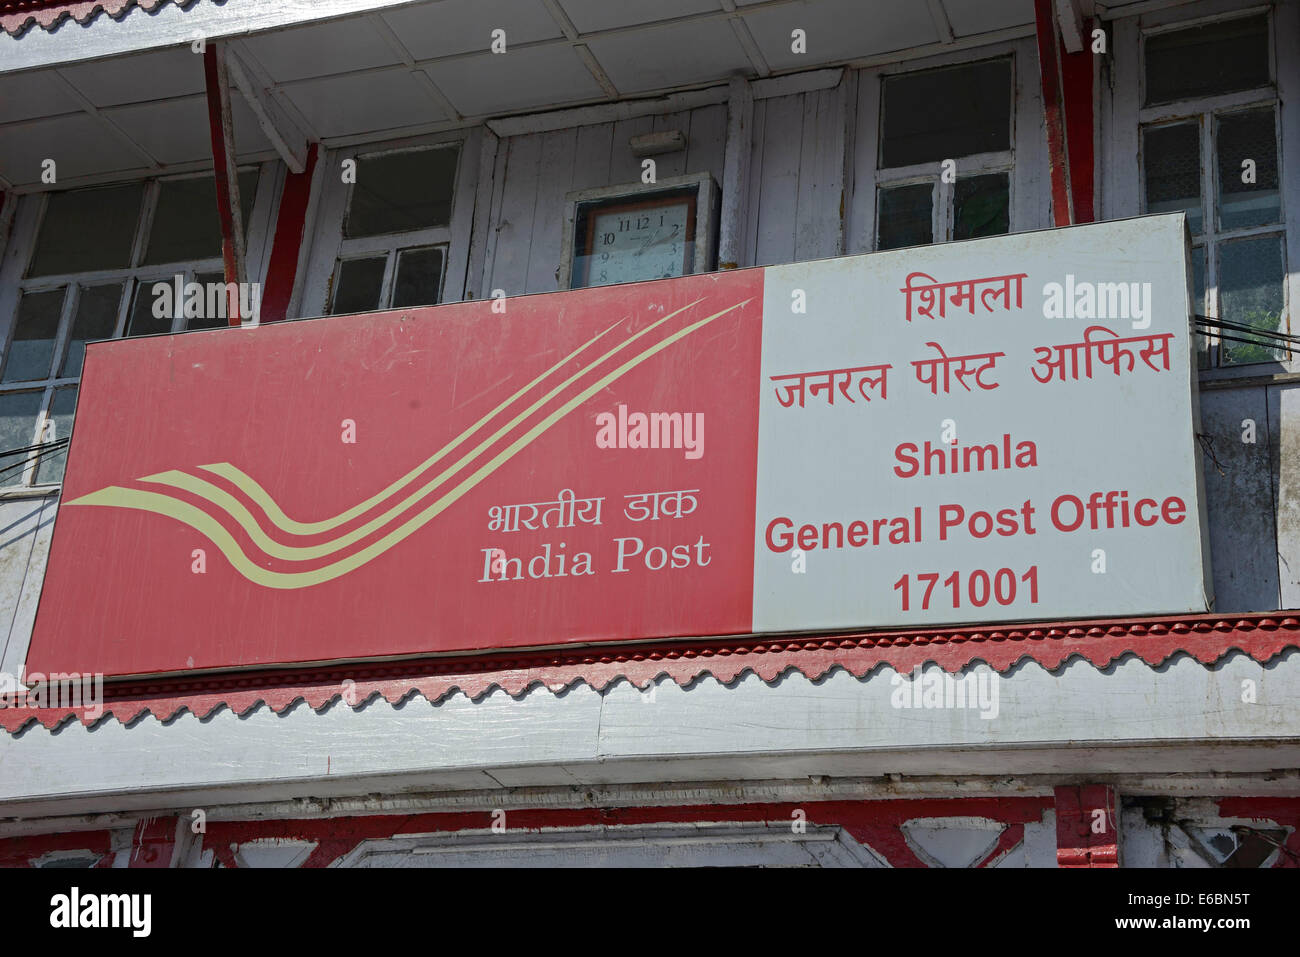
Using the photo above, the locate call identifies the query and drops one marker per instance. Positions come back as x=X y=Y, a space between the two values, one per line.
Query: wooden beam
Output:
x=1049 y=77
x=289 y=141
x=939 y=17
x=483 y=187
x=225 y=173
x=735 y=173
x=605 y=112
x=1070 y=19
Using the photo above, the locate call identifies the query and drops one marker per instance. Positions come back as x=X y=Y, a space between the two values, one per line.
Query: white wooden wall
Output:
x=797 y=177
x=534 y=172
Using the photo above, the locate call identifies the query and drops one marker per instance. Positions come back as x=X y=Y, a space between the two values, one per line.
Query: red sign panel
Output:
x=577 y=468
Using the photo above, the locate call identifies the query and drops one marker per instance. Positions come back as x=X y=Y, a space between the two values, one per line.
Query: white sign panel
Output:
x=994 y=430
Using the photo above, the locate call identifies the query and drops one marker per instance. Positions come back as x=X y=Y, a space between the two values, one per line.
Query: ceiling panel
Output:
x=34 y=93
x=491 y=83
x=135 y=79
x=591 y=15
x=341 y=106
x=465 y=26
x=177 y=131
x=79 y=144
x=677 y=55
x=320 y=50
x=969 y=17
x=840 y=30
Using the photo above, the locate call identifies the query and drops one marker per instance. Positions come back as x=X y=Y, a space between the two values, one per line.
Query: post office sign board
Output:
x=986 y=431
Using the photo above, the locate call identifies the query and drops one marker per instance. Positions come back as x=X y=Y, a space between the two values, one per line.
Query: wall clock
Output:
x=633 y=233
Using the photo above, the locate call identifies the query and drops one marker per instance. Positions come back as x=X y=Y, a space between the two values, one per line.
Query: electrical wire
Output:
x=49 y=448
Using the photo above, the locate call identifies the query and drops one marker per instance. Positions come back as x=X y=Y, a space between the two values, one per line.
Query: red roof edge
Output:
x=1207 y=638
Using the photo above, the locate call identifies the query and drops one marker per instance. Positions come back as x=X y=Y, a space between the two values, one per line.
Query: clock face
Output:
x=629 y=243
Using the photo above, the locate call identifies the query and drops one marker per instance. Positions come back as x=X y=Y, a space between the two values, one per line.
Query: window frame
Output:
x=942 y=195
x=28 y=215
x=1207 y=112
x=1025 y=161
x=328 y=246
x=1123 y=119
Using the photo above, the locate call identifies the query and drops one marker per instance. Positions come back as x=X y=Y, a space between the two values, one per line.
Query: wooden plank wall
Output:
x=796 y=187
x=539 y=169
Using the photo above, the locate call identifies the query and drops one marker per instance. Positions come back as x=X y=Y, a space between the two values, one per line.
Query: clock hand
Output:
x=648 y=243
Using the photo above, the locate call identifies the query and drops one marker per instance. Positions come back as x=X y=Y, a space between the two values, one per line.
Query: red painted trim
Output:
x=154 y=842
x=1275 y=810
x=875 y=824
x=1058 y=157
x=218 y=113
x=282 y=270
x=1207 y=638
x=1077 y=72
x=1078 y=843
x=21 y=851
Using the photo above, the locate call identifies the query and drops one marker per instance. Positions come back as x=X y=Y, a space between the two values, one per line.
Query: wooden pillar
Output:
x=286 y=248
x=225 y=173
x=1087 y=826
x=1068 y=84
x=1078 y=91
x=735 y=174
x=1053 y=113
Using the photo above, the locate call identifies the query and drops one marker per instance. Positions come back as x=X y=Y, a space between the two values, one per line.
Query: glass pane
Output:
x=31 y=352
x=145 y=319
x=87 y=229
x=1199 y=308
x=981 y=206
x=399 y=192
x=939 y=114
x=58 y=425
x=1251 y=273
x=18 y=414
x=419 y=273
x=1249 y=135
x=1218 y=58
x=357 y=285
x=186 y=225
x=905 y=216
x=96 y=318
x=1171 y=165
x=214 y=304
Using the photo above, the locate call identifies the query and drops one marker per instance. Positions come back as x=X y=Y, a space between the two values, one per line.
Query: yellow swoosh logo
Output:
x=191 y=515
x=244 y=517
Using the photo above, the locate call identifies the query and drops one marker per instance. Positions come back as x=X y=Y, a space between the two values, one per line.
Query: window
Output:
x=396 y=231
x=1210 y=146
x=961 y=114
x=96 y=255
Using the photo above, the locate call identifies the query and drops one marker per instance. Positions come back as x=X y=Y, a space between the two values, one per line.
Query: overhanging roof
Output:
x=113 y=86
